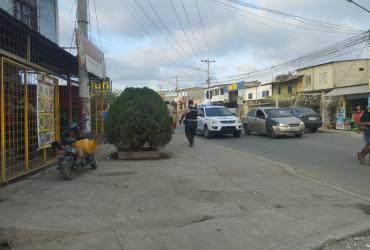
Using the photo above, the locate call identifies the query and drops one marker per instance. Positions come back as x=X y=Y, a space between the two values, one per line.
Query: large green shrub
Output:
x=138 y=118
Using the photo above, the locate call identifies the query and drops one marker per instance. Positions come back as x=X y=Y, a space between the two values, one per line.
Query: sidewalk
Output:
x=339 y=132
x=205 y=197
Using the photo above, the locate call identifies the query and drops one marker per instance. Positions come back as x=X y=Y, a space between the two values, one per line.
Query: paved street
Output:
x=206 y=197
x=324 y=156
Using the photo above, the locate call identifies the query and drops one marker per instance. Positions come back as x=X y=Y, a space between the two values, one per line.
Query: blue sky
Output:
x=239 y=44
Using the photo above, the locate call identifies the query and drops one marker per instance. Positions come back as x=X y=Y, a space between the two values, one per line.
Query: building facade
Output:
x=343 y=85
x=33 y=66
x=40 y=15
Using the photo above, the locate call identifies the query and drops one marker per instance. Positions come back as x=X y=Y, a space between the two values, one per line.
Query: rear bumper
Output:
x=312 y=124
x=288 y=130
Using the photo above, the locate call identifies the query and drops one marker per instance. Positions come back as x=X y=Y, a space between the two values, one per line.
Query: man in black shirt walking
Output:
x=190 y=122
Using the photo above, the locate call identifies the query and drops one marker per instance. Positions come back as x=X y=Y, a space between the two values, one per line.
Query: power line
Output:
x=182 y=27
x=161 y=33
x=274 y=22
x=191 y=28
x=297 y=18
x=306 y=59
x=146 y=30
x=97 y=23
x=203 y=30
x=168 y=30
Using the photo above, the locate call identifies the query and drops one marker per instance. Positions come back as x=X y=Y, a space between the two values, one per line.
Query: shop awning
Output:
x=353 y=90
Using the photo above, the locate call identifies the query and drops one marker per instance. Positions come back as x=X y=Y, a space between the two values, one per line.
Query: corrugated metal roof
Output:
x=349 y=90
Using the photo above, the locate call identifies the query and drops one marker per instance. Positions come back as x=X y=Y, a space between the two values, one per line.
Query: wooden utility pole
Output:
x=84 y=90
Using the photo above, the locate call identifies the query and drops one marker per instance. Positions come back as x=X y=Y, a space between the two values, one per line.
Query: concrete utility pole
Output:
x=84 y=90
x=208 y=73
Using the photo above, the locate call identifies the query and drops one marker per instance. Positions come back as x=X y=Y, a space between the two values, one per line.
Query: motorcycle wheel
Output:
x=94 y=164
x=68 y=172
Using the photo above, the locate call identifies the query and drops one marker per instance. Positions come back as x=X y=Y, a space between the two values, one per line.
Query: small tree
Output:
x=138 y=118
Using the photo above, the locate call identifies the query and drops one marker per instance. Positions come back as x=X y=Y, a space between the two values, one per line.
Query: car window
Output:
x=260 y=114
x=219 y=111
x=252 y=113
x=200 y=112
x=305 y=111
x=276 y=113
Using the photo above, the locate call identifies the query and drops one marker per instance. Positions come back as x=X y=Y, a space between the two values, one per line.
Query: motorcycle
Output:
x=77 y=153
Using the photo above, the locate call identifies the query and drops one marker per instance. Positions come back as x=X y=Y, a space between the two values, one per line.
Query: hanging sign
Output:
x=46 y=111
x=91 y=57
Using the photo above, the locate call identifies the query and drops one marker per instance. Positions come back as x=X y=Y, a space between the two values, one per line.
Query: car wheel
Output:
x=298 y=135
x=237 y=134
x=271 y=133
x=247 y=131
x=206 y=132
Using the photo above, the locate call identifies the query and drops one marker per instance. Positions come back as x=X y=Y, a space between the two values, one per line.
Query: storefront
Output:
x=32 y=68
x=348 y=98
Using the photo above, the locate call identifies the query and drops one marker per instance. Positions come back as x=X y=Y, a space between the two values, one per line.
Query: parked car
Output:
x=273 y=122
x=311 y=119
x=216 y=120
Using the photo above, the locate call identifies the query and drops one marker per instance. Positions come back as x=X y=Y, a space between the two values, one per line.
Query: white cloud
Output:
x=239 y=43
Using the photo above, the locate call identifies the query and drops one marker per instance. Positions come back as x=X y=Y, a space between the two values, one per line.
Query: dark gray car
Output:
x=311 y=119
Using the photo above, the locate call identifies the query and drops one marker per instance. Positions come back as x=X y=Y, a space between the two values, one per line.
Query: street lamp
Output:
x=362 y=7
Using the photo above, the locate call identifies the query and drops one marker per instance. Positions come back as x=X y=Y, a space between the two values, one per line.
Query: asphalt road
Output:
x=327 y=157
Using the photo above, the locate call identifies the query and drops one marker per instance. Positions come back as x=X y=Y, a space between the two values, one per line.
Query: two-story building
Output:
x=343 y=83
x=215 y=94
x=196 y=94
x=33 y=66
x=284 y=91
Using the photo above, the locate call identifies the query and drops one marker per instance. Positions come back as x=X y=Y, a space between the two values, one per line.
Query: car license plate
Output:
x=312 y=118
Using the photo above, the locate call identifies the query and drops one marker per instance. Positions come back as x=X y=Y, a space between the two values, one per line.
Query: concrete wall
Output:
x=348 y=73
x=6 y=5
x=253 y=91
x=334 y=75
x=48 y=19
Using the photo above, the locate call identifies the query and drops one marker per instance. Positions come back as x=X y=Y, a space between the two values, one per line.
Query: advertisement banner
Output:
x=91 y=57
x=45 y=112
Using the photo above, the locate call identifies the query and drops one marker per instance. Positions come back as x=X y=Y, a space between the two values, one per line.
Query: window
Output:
x=265 y=93
x=290 y=89
x=222 y=91
x=201 y=112
x=361 y=69
x=260 y=114
x=279 y=90
x=218 y=112
x=216 y=91
x=207 y=94
x=26 y=12
x=307 y=81
x=252 y=113
x=250 y=96
x=323 y=78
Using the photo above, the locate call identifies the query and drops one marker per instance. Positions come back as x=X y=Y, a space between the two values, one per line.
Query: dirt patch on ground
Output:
x=359 y=242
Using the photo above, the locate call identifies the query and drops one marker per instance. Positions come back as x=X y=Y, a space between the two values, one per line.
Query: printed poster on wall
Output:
x=45 y=112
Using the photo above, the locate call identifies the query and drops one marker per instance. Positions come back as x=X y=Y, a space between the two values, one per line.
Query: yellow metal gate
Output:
x=20 y=148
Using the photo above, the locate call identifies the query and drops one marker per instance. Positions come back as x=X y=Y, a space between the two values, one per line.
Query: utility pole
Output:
x=177 y=92
x=84 y=91
x=208 y=73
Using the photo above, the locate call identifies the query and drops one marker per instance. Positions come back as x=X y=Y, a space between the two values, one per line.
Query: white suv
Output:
x=213 y=120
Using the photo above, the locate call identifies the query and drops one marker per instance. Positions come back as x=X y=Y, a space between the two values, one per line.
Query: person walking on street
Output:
x=190 y=122
x=171 y=112
x=365 y=126
x=357 y=117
